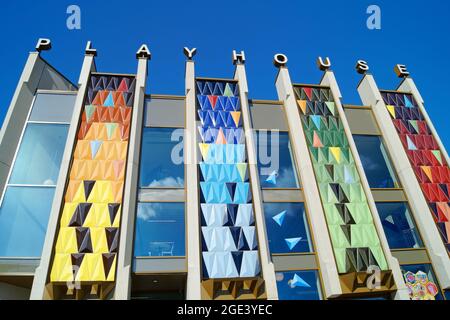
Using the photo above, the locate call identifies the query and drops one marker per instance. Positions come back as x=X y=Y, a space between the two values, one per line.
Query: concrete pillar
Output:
x=370 y=95
x=316 y=215
x=38 y=290
x=125 y=255
x=193 y=286
x=18 y=111
x=402 y=293
x=267 y=266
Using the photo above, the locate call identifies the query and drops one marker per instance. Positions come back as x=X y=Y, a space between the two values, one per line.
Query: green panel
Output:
x=347 y=212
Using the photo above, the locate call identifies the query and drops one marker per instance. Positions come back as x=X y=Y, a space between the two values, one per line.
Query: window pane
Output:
x=40 y=154
x=287 y=228
x=161 y=158
x=398 y=225
x=377 y=165
x=298 y=285
x=53 y=107
x=160 y=230
x=275 y=160
x=23 y=220
x=421 y=282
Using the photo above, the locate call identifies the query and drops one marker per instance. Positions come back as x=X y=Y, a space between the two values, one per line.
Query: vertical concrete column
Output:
x=193 y=286
x=370 y=95
x=17 y=114
x=267 y=266
x=322 y=240
x=125 y=256
x=408 y=85
x=402 y=293
x=38 y=290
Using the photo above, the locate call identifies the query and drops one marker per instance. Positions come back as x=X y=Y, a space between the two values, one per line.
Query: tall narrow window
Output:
x=26 y=203
x=160 y=229
x=398 y=225
x=162 y=158
x=275 y=160
x=298 y=285
x=375 y=160
x=287 y=228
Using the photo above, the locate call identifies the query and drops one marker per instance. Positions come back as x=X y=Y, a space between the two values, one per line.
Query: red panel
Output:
x=422 y=127
x=420 y=142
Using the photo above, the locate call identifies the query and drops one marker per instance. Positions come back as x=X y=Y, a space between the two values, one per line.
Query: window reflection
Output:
x=275 y=160
x=377 y=165
x=40 y=154
x=398 y=225
x=298 y=285
x=23 y=220
x=287 y=228
x=160 y=229
x=162 y=158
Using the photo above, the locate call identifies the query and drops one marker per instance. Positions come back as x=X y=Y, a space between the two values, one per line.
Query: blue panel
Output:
x=287 y=221
x=162 y=158
x=229 y=242
x=160 y=229
x=40 y=154
x=23 y=220
x=298 y=285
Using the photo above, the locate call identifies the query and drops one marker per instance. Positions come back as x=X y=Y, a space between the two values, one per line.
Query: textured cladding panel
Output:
x=229 y=243
x=354 y=238
x=87 y=241
x=430 y=166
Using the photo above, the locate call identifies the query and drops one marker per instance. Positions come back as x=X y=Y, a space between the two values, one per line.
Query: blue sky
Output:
x=413 y=32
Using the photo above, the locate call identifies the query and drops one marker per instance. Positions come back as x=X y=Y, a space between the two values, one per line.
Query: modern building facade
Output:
x=110 y=192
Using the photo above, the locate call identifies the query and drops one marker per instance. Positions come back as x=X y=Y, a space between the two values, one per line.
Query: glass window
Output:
x=287 y=227
x=23 y=220
x=162 y=162
x=374 y=157
x=399 y=227
x=298 y=285
x=50 y=107
x=421 y=282
x=40 y=154
x=160 y=229
x=275 y=160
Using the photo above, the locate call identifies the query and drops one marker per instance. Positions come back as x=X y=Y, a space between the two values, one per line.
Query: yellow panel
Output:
x=302 y=105
x=95 y=264
x=83 y=273
x=69 y=209
x=62 y=268
x=104 y=192
x=336 y=151
x=116 y=222
x=67 y=241
x=117 y=190
x=204 y=149
x=98 y=238
x=112 y=271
